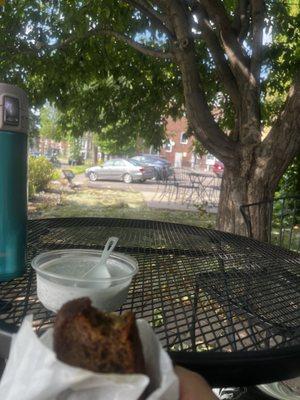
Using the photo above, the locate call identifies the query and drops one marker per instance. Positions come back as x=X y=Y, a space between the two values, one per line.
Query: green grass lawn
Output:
x=115 y=204
x=79 y=169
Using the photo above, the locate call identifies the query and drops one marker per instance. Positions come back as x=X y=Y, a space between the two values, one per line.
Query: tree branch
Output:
x=161 y=4
x=241 y=21
x=238 y=60
x=95 y=32
x=158 y=20
x=137 y=46
x=217 y=53
x=257 y=11
x=148 y=51
x=201 y=120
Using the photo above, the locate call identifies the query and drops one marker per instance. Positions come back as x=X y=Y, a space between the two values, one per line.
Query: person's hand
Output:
x=193 y=386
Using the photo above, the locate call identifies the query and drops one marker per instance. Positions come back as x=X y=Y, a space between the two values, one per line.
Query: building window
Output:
x=168 y=146
x=183 y=138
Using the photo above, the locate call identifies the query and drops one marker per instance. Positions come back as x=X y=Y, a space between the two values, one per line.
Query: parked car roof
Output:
x=151 y=158
x=153 y=155
x=134 y=162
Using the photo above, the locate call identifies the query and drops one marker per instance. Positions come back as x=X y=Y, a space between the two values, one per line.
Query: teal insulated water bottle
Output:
x=13 y=180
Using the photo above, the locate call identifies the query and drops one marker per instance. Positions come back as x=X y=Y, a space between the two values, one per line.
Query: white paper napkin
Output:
x=34 y=373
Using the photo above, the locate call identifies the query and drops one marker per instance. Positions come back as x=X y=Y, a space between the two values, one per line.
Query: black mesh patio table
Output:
x=223 y=305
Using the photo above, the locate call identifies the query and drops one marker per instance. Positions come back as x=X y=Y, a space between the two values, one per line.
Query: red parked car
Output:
x=218 y=168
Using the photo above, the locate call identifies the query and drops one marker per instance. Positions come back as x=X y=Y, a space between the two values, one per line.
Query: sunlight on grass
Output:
x=105 y=198
x=116 y=204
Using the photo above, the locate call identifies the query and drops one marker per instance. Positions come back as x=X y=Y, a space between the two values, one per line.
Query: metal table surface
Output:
x=223 y=305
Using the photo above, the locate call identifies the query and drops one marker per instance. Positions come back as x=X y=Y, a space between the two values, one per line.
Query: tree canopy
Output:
x=78 y=55
x=98 y=83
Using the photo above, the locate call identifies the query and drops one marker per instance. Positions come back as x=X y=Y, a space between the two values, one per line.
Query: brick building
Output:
x=46 y=146
x=178 y=150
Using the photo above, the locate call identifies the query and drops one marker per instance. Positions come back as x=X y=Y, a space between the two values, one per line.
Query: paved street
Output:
x=148 y=186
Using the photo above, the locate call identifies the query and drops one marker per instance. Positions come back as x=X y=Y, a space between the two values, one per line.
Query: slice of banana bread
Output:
x=101 y=342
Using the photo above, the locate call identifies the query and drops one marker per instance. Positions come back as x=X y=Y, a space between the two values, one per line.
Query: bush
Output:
x=41 y=172
x=56 y=175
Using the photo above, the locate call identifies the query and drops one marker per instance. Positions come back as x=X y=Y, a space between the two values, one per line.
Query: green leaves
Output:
x=281 y=56
x=101 y=84
x=97 y=83
x=49 y=123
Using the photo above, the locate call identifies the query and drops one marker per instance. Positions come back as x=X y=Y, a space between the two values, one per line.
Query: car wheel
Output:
x=92 y=176
x=142 y=180
x=127 y=178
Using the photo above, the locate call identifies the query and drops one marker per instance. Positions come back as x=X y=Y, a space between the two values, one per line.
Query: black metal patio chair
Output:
x=174 y=186
x=204 y=189
x=69 y=176
x=283 y=220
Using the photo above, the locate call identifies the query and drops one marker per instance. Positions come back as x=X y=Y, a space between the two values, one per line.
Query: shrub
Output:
x=56 y=175
x=41 y=172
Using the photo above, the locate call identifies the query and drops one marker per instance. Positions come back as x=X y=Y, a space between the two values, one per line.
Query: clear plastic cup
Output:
x=60 y=278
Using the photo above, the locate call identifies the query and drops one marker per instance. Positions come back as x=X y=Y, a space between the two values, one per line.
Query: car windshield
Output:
x=108 y=163
x=135 y=162
x=155 y=159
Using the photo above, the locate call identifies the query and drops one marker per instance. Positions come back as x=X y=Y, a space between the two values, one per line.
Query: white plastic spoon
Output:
x=102 y=270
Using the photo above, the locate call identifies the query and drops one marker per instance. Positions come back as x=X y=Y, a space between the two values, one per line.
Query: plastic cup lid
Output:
x=72 y=265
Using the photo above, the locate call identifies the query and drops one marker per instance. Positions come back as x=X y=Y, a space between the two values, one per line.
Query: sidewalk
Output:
x=154 y=202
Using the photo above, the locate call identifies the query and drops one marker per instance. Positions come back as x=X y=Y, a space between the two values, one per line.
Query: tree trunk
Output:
x=253 y=166
x=239 y=188
x=95 y=154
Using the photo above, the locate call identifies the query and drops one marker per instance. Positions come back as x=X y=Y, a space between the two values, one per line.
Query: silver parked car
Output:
x=120 y=170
